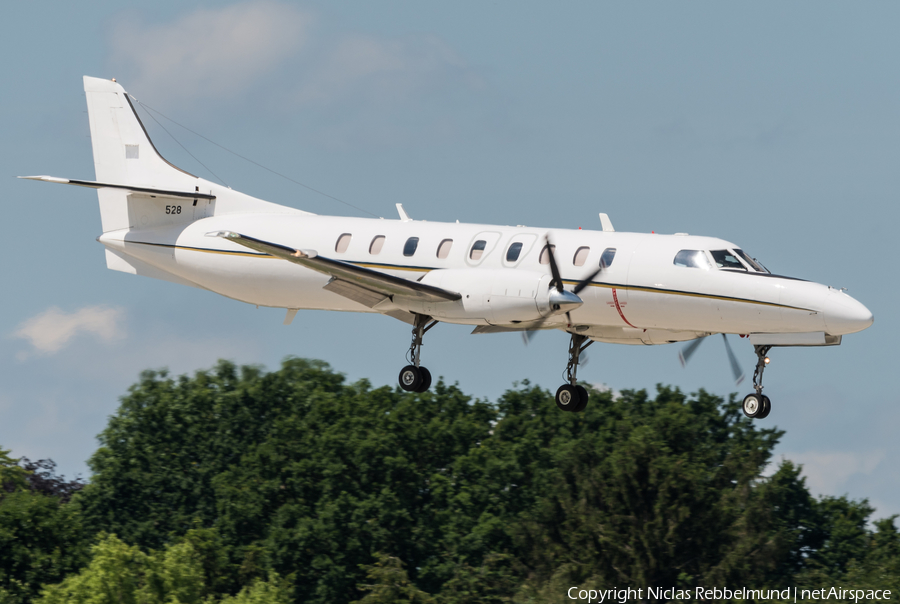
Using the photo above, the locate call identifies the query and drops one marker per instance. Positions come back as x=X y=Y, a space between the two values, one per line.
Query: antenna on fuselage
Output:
x=606 y=223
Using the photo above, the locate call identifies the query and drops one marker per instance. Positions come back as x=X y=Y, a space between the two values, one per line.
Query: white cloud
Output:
x=827 y=472
x=387 y=70
x=209 y=51
x=52 y=330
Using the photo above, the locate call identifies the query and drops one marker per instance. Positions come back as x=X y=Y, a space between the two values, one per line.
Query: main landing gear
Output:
x=571 y=396
x=758 y=405
x=413 y=377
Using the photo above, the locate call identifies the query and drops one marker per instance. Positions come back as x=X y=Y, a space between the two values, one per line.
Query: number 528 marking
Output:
x=173 y=209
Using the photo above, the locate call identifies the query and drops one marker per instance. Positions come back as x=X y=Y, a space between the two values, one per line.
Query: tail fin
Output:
x=135 y=184
x=123 y=152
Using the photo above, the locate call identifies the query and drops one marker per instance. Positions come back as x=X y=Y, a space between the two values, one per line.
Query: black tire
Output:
x=410 y=378
x=752 y=406
x=426 y=380
x=567 y=398
x=583 y=395
x=766 y=407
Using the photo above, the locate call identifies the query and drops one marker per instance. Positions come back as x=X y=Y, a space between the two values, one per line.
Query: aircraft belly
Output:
x=261 y=280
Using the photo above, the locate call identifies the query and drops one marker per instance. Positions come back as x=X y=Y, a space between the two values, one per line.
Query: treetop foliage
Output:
x=241 y=485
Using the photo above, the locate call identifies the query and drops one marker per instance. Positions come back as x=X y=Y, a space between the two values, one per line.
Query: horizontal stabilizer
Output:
x=106 y=185
x=365 y=278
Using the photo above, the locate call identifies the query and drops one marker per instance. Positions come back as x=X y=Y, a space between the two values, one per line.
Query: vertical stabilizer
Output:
x=123 y=153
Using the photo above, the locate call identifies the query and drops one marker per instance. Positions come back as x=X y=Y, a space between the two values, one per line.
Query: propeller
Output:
x=685 y=354
x=560 y=298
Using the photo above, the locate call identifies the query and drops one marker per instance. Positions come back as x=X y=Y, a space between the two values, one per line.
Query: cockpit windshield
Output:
x=754 y=264
x=727 y=260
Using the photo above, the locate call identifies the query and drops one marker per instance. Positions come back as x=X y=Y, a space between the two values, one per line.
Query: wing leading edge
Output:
x=356 y=278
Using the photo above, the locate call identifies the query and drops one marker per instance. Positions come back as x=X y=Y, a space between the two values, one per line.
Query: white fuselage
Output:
x=641 y=297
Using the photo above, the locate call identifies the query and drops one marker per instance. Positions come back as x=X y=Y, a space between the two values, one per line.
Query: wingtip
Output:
x=45 y=178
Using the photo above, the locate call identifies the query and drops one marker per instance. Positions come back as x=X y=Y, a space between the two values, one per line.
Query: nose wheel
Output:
x=757 y=405
x=414 y=377
x=572 y=396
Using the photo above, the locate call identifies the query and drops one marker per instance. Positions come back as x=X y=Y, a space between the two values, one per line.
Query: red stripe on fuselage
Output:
x=619 y=308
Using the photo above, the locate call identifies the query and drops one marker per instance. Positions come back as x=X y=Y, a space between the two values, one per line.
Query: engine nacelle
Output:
x=495 y=296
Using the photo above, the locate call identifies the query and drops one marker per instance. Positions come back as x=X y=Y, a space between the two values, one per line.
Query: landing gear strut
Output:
x=758 y=405
x=571 y=396
x=413 y=377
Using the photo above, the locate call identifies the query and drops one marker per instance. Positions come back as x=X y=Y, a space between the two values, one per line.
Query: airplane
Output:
x=162 y=222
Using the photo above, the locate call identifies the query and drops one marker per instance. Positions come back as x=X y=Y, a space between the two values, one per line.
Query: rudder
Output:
x=123 y=152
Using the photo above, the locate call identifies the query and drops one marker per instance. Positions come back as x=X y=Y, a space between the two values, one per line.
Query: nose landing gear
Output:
x=572 y=396
x=758 y=405
x=413 y=377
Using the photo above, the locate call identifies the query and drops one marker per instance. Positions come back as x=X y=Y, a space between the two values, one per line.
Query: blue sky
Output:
x=773 y=125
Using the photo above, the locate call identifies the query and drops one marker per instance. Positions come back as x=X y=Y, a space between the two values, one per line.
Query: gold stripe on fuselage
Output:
x=421 y=269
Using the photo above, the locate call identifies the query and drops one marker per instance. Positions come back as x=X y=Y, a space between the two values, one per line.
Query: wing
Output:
x=363 y=285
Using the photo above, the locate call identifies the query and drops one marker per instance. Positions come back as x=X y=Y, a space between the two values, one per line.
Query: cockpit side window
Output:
x=753 y=262
x=691 y=259
x=727 y=259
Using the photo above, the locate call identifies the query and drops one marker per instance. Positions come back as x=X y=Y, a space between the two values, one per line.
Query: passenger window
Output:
x=376 y=245
x=581 y=255
x=512 y=254
x=727 y=260
x=342 y=242
x=444 y=248
x=545 y=254
x=691 y=259
x=477 y=249
x=410 y=247
x=606 y=259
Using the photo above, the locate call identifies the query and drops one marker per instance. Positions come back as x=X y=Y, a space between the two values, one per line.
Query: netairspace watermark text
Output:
x=628 y=594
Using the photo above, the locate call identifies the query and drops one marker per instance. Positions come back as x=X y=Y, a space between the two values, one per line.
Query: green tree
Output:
x=12 y=477
x=41 y=536
x=297 y=473
x=388 y=583
x=181 y=573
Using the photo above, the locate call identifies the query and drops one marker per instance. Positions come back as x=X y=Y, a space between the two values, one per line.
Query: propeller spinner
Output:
x=561 y=300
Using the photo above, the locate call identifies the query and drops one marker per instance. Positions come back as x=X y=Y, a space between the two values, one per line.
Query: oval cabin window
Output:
x=410 y=247
x=545 y=253
x=581 y=255
x=342 y=243
x=376 y=245
x=512 y=254
x=444 y=248
x=477 y=249
x=606 y=259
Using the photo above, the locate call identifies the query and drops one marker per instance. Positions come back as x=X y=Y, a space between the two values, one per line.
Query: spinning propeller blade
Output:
x=554 y=269
x=567 y=298
x=685 y=354
x=586 y=281
x=735 y=366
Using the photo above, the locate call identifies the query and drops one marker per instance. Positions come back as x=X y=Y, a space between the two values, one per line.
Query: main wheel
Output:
x=583 y=395
x=426 y=380
x=752 y=405
x=410 y=378
x=766 y=407
x=567 y=398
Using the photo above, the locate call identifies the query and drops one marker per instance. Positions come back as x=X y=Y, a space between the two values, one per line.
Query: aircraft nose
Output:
x=846 y=315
